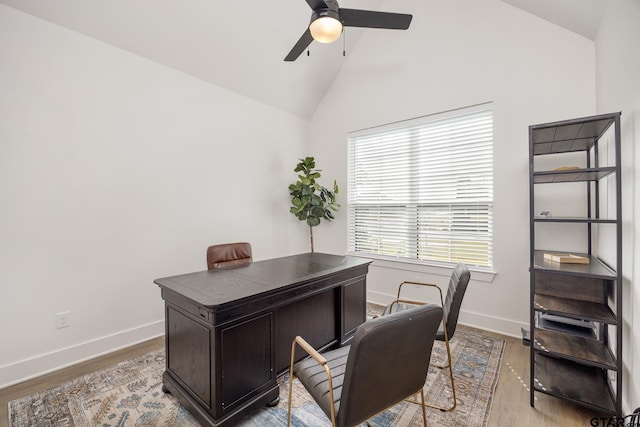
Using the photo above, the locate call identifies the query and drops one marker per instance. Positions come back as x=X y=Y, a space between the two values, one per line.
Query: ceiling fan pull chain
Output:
x=344 y=43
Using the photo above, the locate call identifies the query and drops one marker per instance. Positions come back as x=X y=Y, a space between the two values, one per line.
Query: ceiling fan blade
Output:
x=372 y=19
x=317 y=4
x=300 y=46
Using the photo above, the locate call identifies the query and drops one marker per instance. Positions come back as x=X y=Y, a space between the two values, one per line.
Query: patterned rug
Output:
x=129 y=394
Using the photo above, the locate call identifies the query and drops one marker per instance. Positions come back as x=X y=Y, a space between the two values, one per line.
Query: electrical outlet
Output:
x=62 y=319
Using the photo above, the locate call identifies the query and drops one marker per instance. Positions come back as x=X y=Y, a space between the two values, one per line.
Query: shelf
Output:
x=574 y=308
x=595 y=268
x=586 y=351
x=574 y=175
x=576 y=220
x=569 y=136
x=584 y=385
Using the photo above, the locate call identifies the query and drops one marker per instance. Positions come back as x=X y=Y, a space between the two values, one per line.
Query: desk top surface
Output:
x=213 y=288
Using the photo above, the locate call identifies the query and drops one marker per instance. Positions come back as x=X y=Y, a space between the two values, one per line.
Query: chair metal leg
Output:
x=414 y=399
x=293 y=352
x=424 y=410
x=290 y=396
x=449 y=366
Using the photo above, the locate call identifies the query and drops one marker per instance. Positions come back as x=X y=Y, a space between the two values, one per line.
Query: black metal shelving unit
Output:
x=583 y=369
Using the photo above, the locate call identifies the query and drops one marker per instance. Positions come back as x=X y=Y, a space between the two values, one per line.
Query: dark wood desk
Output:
x=229 y=331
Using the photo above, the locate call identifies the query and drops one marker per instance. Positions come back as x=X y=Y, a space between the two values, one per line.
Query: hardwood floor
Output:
x=510 y=405
x=511 y=400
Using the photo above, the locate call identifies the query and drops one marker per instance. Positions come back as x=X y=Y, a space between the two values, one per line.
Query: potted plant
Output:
x=311 y=201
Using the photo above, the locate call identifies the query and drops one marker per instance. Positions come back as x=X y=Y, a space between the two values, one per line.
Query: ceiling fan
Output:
x=327 y=20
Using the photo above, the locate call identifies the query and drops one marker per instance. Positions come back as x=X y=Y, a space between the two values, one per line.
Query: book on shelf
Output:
x=567 y=168
x=567 y=258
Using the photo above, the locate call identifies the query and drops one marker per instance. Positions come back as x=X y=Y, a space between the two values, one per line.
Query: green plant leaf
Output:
x=309 y=162
x=313 y=221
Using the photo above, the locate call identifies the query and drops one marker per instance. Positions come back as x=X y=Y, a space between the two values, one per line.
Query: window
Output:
x=421 y=190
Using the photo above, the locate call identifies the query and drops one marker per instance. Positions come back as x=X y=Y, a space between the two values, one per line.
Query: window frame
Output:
x=413 y=252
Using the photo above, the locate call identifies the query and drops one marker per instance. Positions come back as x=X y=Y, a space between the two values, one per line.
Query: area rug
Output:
x=129 y=394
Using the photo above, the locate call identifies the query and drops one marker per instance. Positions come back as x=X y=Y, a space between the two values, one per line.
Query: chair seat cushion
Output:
x=314 y=378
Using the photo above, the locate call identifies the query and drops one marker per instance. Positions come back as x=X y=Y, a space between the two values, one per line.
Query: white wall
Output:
x=618 y=69
x=458 y=54
x=115 y=171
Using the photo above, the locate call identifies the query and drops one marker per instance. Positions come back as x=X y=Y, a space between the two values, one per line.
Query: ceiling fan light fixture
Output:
x=326 y=28
x=328 y=20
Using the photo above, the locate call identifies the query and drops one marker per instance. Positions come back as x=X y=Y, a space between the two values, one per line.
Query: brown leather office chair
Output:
x=451 y=311
x=387 y=362
x=228 y=255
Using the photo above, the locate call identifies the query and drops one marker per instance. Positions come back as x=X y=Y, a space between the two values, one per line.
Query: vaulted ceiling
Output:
x=240 y=45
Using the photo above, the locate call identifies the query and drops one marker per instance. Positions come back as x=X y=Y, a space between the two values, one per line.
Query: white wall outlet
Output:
x=62 y=319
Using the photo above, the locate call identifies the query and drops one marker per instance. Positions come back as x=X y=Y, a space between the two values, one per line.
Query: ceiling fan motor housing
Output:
x=332 y=11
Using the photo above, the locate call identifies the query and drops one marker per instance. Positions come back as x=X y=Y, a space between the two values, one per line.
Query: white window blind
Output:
x=421 y=190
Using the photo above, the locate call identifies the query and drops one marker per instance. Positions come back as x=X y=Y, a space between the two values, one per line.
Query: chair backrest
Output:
x=388 y=361
x=457 y=287
x=228 y=255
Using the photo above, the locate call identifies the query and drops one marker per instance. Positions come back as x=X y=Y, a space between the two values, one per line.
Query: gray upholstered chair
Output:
x=451 y=306
x=386 y=362
x=228 y=255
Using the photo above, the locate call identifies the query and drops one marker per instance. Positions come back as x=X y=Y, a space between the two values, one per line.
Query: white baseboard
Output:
x=33 y=367
x=498 y=325
x=39 y=365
